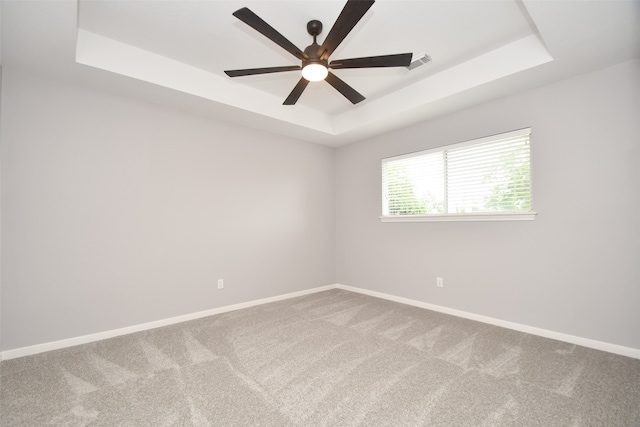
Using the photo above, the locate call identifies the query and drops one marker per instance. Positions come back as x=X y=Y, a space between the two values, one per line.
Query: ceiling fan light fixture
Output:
x=315 y=72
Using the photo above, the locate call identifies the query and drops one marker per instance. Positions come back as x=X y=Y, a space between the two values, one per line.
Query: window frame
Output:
x=472 y=216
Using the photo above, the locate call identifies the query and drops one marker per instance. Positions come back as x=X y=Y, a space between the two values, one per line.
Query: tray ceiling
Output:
x=177 y=51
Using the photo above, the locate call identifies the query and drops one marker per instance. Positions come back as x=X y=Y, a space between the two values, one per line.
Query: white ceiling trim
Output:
x=512 y=58
x=111 y=55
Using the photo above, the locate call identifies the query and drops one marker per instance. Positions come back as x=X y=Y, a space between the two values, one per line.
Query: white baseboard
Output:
x=585 y=342
x=85 y=339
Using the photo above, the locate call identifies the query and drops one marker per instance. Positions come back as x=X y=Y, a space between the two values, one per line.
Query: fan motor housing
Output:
x=312 y=51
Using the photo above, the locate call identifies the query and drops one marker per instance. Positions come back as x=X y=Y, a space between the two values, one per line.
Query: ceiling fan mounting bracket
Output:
x=314 y=28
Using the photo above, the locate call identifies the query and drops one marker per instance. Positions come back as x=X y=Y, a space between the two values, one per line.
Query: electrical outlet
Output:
x=220 y=283
x=439 y=282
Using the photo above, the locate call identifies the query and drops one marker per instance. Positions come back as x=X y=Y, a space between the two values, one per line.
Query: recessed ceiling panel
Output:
x=205 y=35
x=186 y=46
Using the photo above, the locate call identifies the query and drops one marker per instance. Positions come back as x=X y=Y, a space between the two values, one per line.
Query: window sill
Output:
x=513 y=216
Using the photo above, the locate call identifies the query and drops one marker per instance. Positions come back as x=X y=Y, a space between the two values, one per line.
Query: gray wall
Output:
x=0 y=181
x=575 y=269
x=116 y=213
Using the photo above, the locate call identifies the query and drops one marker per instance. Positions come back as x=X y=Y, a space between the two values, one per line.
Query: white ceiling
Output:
x=174 y=52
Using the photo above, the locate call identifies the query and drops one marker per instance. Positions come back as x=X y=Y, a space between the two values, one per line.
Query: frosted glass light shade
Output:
x=314 y=72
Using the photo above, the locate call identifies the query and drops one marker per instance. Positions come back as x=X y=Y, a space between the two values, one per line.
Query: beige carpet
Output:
x=333 y=358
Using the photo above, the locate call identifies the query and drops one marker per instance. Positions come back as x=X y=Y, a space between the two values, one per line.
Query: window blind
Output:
x=487 y=175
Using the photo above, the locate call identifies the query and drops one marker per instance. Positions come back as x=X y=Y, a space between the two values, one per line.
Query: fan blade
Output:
x=253 y=71
x=350 y=93
x=399 y=60
x=296 y=92
x=255 y=22
x=351 y=14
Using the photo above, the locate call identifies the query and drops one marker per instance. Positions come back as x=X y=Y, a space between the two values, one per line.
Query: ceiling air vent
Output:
x=418 y=61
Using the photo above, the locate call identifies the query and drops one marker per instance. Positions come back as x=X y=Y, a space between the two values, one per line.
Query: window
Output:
x=483 y=179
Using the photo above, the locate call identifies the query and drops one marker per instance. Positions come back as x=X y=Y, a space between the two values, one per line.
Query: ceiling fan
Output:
x=315 y=58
